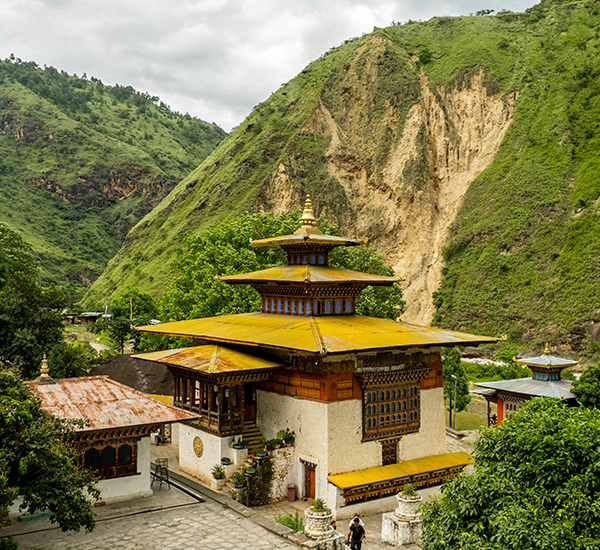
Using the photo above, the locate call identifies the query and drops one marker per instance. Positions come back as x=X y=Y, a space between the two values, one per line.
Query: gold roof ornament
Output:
x=308 y=222
x=44 y=377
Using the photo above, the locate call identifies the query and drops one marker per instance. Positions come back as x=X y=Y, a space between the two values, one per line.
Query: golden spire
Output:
x=308 y=218
x=546 y=350
x=44 y=377
x=308 y=221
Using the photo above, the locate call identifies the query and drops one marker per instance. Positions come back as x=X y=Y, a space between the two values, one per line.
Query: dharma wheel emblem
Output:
x=198 y=447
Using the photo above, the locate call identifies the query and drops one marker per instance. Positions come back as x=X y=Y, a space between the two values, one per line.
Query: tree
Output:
x=37 y=462
x=134 y=304
x=71 y=359
x=15 y=255
x=535 y=485
x=451 y=358
x=587 y=388
x=30 y=322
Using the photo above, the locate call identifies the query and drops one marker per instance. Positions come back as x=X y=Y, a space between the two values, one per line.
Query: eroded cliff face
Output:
x=406 y=200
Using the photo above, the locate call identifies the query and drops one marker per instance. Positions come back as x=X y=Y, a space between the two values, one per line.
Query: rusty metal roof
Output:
x=326 y=334
x=532 y=388
x=210 y=359
x=106 y=404
x=310 y=274
x=379 y=474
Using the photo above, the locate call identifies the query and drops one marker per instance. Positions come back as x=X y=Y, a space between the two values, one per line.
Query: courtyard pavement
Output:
x=190 y=516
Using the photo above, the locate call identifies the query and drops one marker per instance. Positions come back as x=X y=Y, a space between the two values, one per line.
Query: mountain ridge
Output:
x=369 y=128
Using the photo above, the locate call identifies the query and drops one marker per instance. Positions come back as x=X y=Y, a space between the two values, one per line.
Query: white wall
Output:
x=125 y=488
x=214 y=448
x=431 y=438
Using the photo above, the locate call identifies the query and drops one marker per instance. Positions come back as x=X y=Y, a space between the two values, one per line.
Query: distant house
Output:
x=88 y=318
x=116 y=443
x=545 y=381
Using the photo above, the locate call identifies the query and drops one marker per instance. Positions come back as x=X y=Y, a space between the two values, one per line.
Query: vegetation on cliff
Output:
x=82 y=162
x=522 y=255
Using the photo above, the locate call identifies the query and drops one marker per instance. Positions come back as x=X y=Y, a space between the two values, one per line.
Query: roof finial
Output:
x=44 y=377
x=546 y=350
x=308 y=218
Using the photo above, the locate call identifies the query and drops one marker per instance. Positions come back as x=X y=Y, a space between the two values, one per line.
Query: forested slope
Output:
x=81 y=163
x=465 y=148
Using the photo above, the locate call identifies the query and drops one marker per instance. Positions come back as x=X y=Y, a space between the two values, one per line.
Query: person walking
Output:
x=356 y=534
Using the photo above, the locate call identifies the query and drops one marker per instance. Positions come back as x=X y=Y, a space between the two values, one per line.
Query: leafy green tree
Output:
x=71 y=359
x=15 y=255
x=134 y=304
x=587 y=388
x=453 y=366
x=535 y=486
x=37 y=462
x=225 y=249
x=30 y=322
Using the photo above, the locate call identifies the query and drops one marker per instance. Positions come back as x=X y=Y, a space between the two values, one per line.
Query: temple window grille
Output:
x=381 y=410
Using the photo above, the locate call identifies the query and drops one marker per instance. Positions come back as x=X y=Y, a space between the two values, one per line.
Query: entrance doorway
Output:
x=309 y=479
x=249 y=402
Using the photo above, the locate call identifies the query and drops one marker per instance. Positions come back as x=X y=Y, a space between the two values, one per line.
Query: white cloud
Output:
x=215 y=59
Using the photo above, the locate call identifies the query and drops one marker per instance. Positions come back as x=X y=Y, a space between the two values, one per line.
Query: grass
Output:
x=294 y=522
x=473 y=418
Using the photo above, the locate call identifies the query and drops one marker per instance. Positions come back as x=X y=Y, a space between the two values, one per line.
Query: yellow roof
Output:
x=209 y=359
x=327 y=334
x=310 y=274
x=308 y=238
x=358 y=478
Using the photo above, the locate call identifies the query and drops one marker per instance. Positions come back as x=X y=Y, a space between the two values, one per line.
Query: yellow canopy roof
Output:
x=308 y=238
x=369 y=476
x=210 y=359
x=327 y=334
x=310 y=274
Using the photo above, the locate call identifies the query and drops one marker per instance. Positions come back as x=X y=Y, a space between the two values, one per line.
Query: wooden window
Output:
x=348 y=306
x=300 y=307
x=313 y=259
x=321 y=259
x=91 y=459
x=338 y=307
x=317 y=306
x=286 y=306
x=380 y=408
x=279 y=305
x=293 y=307
x=124 y=454
x=108 y=456
x=327 y=307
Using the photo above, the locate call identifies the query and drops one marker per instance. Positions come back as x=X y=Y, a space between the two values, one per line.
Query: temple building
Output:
x=115 y=443
x=545 y=381
x=364 y=396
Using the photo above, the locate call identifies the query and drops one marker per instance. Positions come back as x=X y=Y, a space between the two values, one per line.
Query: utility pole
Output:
x=454 y=403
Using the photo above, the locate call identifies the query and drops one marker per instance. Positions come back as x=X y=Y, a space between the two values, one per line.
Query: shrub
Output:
x=218 y=472
x=319 y=505
x=296 y=523
x=409 y=490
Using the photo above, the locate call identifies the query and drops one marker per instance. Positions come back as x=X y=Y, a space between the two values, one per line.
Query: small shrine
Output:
x=357 y=392
x=115 y=443
x=545 y=381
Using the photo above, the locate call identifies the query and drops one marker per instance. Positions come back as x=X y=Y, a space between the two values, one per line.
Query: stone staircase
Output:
x=251 y=434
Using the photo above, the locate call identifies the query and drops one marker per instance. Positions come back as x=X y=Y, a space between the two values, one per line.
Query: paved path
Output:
x=189 y=519
x=184 y=525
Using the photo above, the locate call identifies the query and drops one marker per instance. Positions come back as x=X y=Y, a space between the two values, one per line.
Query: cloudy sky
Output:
x=215 y=59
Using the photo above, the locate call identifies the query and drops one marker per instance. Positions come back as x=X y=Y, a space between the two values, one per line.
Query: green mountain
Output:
x=81 y=163
x=465 y=148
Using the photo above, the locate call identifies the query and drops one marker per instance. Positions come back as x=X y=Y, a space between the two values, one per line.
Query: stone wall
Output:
x=285 y=472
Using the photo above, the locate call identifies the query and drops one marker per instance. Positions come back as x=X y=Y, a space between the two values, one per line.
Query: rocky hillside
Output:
x=465 y=148
x=81 y=163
